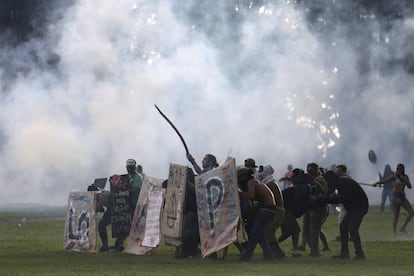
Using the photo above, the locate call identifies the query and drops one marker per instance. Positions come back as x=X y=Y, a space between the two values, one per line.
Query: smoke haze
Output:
x=284 y=82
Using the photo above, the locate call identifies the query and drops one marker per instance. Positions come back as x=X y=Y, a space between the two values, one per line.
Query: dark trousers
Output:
x=258 y=234
x=190 y=235
x=351 y=224
x=306 y=228
x=103 y=234
x=246 y=210
x=317 y=216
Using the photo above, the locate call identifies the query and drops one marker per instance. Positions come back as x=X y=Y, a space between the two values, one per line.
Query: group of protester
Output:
x=265 y=207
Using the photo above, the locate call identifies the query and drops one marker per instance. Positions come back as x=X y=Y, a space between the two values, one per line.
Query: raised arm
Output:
x=194 y=163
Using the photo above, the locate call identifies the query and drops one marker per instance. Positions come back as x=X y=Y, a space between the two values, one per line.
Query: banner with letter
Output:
x=218 y=207
x=172 y=215
x=80 y=223
x=144 y=234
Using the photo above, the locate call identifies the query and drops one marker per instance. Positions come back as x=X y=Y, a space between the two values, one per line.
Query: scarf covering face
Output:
x=266 y=175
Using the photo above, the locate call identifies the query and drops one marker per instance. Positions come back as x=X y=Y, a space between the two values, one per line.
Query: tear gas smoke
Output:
x=284 y=82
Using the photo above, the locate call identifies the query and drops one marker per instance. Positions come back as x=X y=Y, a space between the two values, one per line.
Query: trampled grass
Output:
x=31 y=245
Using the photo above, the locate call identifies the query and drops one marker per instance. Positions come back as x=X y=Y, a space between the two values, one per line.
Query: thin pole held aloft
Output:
x=173 y=126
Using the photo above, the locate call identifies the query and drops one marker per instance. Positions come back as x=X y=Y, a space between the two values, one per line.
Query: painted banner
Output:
x=172 y=215
x=120 y=207
x=144 y=234
x=80 y=223
x=152 y=235
x=218 y=207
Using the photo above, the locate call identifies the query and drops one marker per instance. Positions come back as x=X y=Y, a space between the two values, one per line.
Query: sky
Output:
x=283 y=82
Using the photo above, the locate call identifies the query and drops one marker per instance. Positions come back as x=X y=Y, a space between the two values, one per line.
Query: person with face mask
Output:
x=134 y=184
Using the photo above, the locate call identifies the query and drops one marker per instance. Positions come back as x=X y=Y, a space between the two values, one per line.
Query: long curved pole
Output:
x=176 y=130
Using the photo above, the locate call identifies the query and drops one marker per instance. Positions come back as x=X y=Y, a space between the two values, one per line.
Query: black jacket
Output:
x=350 y=193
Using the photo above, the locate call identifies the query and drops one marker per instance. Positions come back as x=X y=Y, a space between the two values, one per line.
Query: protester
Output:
x=209 y=162
x=319 y=208
x=134 y=186
x=297 y=203
x=341 y=170
x=252 y=189
x=190 y=237
x=387 y=188
x=286 y=179
x=401 y=180
x=140 y=170
x=250 y=163
x=265 y=175
x=355 y=203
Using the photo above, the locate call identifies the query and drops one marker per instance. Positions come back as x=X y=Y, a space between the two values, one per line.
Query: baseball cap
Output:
x=250 y=163
x=131 y=162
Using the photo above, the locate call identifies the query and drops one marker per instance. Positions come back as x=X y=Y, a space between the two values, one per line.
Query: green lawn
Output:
x=34 y=246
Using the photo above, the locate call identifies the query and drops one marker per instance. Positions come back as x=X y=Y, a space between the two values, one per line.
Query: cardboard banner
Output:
x=80 y=223
x=152 y=236
x=172 y=215
x=218 y=207
x=144 y=234
x=120 y=206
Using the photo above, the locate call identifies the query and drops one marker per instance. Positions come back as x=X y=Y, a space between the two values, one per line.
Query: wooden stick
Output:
x=173 y=126
x=366 y=184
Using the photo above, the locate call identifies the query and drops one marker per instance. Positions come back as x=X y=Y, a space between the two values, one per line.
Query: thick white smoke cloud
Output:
x=253 y=80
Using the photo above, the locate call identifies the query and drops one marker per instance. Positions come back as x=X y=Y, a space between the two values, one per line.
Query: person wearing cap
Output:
x=251 y=164
x=135 y=184
x=252 y=189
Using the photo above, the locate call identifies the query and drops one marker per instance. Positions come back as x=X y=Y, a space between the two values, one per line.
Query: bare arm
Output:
x=250 y=190
x=388 y=179
x=194 y=163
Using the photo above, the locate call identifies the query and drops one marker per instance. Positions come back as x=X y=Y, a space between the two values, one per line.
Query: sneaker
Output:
x=341 y=256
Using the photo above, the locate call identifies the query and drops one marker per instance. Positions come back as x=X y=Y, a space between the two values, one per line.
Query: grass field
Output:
x=31 y=243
